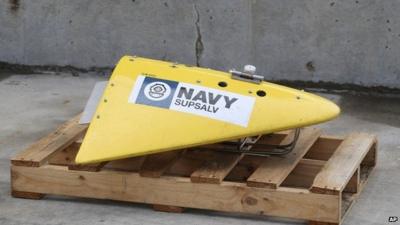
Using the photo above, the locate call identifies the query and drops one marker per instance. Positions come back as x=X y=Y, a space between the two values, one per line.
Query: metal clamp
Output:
x=248 y=74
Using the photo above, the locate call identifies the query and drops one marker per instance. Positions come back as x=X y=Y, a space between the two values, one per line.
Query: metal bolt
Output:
x=249 y=69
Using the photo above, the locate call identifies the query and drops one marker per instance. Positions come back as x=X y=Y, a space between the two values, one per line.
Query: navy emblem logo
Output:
x=157 y=91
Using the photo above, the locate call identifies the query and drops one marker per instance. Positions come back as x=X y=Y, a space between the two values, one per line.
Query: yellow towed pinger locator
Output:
x=152 y=106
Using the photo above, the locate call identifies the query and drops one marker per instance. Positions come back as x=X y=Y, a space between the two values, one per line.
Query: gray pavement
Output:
x=33 y=105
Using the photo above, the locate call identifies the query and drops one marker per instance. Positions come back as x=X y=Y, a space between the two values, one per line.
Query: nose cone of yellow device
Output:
x=331 y=110
x=315 y=109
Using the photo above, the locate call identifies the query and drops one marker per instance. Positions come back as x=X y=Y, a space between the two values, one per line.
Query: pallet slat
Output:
x=273 y=170
x=38 y=153
x=324 y=147
x=342 y=165
x=155 y=165
x=94 y=167
x=303 y=174
x=216 y=170
x=168 y=208
x=27 y=195
x=353 y=185
x=129 y=164
x=66 y=157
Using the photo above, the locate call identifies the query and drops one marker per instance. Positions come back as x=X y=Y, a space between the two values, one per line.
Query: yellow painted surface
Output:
x=122 y=129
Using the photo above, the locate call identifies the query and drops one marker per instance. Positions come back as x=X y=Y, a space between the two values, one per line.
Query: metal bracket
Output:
x=248 y=77
x=244 y=145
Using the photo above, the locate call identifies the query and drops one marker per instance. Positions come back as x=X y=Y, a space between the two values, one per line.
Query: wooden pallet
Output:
x=318 y=181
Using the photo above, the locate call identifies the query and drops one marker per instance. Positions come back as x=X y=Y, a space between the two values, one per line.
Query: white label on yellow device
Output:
x=199 y=100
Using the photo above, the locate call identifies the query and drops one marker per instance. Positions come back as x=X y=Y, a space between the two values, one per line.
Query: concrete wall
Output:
x=343 y=41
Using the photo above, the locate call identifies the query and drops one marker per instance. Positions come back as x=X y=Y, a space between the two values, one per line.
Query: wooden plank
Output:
x=130 y=164
x=27 y=195
x=155 y=165
x=176 y=191
x=273 y=170
x=273 y=139
x=324 y=147
x=185 y=165
x=216 y=170
x=353 y=185
x=39 y=152
x=168 y=208
x=66 y=156
x=302 y=176
x=371 y=157
x=344 y=162
x=93 y=167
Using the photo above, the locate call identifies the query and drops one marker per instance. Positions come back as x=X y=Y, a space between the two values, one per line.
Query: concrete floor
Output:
x=33 y=105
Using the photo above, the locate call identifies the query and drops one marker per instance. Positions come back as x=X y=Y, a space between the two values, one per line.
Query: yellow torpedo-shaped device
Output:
x=151 y=106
